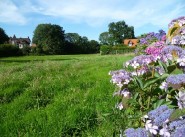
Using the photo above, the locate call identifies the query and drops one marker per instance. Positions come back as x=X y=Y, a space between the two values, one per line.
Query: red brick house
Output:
x=21 y=42
x=130 y=42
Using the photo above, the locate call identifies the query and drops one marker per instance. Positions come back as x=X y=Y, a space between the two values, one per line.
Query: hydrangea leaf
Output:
x=163 y=65
x=139 y=82
x=171 y=68
x=150 y=81
x=176 y=114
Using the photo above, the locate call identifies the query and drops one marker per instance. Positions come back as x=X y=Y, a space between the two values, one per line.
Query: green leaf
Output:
x=163 y=65
x=139 y=82
x=173 y=30
x=171 y=68
x=176 y=114
x=136 y=95
x=158 y=103
x=150 y=81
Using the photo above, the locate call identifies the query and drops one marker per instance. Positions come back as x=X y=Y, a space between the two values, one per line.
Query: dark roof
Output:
x=20 y=40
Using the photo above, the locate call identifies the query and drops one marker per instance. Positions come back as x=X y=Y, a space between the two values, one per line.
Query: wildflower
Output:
x=135 y=64
x=181 y=99
x=164 y=131
x=152 y=128
x=144 y=118
x=164 y=86
x=119 y=106
x=125 y=93
x=181 y=61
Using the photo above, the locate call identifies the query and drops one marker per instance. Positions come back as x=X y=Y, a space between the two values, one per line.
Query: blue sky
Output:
x=88 y=17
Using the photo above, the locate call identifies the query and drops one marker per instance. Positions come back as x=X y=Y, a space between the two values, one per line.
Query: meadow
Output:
x=59 y=96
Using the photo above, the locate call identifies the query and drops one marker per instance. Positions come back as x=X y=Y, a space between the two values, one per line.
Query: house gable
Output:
x=130 y=42
x=21 y=42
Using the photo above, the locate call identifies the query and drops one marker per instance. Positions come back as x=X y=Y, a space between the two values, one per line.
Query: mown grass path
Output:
x=54 y=96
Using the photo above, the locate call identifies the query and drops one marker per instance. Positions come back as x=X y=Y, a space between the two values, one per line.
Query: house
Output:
x=21 y=42
x=131 y=42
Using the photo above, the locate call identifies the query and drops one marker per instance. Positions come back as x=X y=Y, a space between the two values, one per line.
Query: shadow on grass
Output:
x=36 y=60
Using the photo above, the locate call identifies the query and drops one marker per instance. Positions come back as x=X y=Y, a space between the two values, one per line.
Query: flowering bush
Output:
x=176 y=33
x=148 y=39
x=154 y=80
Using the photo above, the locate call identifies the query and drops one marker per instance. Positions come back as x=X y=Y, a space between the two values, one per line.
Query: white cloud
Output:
x=136 y=13
x=9 y=13
x=95 y=12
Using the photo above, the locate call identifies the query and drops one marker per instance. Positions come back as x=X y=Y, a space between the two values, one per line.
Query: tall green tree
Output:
x=120 y=31
x=49 y=38
x=117 y=32
x=105 y=38
x=3 y=36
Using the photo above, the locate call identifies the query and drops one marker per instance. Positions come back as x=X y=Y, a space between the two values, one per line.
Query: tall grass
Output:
x=53 y=96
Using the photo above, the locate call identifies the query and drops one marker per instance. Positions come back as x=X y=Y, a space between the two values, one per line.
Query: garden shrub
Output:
x=7 y=50
x=118 y=49
x=150 y=93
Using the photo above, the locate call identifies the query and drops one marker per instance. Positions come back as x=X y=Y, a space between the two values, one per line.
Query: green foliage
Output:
x=176 y=114
x=75 y=44
x=49 y=38
x=3 y=37
x=117 y=32
x=120 y=49
x=7 y=50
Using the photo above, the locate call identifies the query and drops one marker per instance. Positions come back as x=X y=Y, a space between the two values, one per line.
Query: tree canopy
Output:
x=3 y=36
x=49 y=38
x=117 y=32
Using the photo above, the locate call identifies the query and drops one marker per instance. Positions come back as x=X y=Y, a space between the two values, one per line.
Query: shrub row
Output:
x=119 y=49
x=7 y=50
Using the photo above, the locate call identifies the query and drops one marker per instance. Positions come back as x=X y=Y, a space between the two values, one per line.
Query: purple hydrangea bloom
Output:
x=176 y=124
x=142 y=60
x=160 y=115
x=179 y=132
x=153 y=113
x=176 y=81
x=169 y=52
x=140 y=132
x=161 y=118
x=160 y=70
x=120 y=77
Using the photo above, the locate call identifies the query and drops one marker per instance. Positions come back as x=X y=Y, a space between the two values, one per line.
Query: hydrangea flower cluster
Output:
x=152 y=37
x=176 y=34
x=142 y=60
x=140 y=132
x=181 y=99
x=155 y=48
x=120 y=77
x=180 y=21
x=143 y=78
x=176 y=81
x=157 y=123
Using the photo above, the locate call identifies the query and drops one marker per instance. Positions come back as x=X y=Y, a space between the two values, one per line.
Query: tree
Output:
x=3 y=37
x=49 y=38
x=105 y=38
x=117 y=32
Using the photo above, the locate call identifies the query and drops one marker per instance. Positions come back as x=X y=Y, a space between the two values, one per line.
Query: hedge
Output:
x=7 y=50
x=107 y=49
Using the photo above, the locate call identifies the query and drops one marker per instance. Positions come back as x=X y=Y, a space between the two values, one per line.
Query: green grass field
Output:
x=58 y=96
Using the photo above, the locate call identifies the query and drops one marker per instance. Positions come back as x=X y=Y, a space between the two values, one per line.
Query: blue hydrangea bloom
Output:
x=139 y=132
